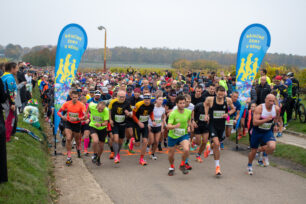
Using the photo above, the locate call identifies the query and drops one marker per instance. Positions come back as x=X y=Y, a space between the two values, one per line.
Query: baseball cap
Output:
x=168 y=84
x=279 y=78
x=97 y=93
x=104 y=90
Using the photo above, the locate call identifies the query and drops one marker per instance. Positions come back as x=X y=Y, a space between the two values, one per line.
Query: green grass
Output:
x=28 y=168
x=297 y=126
x=290 y=152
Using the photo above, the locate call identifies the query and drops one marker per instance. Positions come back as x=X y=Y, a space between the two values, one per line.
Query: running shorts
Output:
x=101 y=133
x=74 y=127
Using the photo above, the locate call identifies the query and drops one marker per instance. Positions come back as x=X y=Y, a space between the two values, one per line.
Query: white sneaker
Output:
x=266 y=161
x=250 y=170
x=153 y=157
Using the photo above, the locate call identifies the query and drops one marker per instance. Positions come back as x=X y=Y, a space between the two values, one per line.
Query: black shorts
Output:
x=138 y=132
x=74 y=127
x=85 y=127
x=130 y=124
x=201 y=130
x=120 y=130
x=101 y=133
x=155 y=130
x=216 y=132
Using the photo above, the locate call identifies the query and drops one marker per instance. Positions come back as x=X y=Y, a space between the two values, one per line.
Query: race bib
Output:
x=179 y=132
x=202 y=117
x=218 y=114
x=158 y=121
x=143 y=118
x=119 y=118
x=73 y=115
x=229 y=122
x=265 y=126
x=97 y=119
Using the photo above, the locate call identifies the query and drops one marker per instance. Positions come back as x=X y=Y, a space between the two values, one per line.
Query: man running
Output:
x=75 y=113
x=216 y=111
x=141 y=113
x=178 y=125
x=119 y=110
x=264 y=119
x=99 y=116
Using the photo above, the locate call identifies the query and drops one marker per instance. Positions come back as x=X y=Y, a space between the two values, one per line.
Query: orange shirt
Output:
x=73 y=110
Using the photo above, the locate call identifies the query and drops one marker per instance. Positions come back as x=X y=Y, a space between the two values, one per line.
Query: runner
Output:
x=216 y=111
x=119 y=110
x=266 y=115
x=141 y=113
x=130 y=122
x=99 y=116
x=201 y=130
x=160 y=120
x=179 y=125
x=75 y=113
x=85 y=129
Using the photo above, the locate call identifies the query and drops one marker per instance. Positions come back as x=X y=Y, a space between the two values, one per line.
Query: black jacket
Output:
x=21 y=78
x=262 y=92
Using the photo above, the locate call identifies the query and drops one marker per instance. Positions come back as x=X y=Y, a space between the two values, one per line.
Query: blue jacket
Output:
x=10 y=86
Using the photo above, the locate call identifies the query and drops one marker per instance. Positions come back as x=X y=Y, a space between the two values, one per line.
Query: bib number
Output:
x=74 y=115
x=202 y=117
x=179 y=132
x=218 y=114
x=230 y=122
x=97 y=119
x=143 y=118
x=119 y=118
x=266 y=126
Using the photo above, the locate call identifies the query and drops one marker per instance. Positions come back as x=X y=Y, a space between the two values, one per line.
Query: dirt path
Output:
x=75 y=183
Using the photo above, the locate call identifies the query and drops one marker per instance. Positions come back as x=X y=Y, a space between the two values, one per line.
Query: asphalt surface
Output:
x=130 y=182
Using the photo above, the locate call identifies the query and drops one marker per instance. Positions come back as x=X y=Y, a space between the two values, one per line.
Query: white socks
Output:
x=217 y=163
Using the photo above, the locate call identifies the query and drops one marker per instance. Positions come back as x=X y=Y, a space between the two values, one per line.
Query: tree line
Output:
x=143 y=56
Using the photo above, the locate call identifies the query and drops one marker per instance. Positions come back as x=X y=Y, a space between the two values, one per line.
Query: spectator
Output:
x=3 y=163
x=263 y=72
x=10 y=88
x=262 y=90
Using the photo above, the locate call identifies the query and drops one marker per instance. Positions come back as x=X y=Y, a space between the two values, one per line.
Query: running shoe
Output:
x=94 y=158
x=207 y=152
x=198 y=159
x=188 y=167
x=131 y=145
x=153 y=157
x=112 y=155
x=218 y=171
x=131 y=151
x=222 y=145
x=279 y=134
x=79 y=153
x=171 y=172
x=117 y=160
x=68 y=161
x=183 y=169
x=260 y=163
x=250 y=170
x=265 y=161
x=98 y=162
x=142 y=162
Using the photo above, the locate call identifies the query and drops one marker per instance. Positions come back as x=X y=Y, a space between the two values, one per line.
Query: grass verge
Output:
x=286 y=151
x=29 y=167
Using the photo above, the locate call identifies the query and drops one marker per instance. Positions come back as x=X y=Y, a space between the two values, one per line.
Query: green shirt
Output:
x=97 y=117
x=224 y=84
x=182 y=118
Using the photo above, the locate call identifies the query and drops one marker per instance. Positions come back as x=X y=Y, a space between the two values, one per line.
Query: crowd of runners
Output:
x=192 y=112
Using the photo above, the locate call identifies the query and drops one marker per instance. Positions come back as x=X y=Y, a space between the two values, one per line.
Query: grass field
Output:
x=293 y=153
x=28 y=168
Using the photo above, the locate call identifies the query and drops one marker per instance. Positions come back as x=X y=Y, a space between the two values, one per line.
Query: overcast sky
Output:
x=212 y=25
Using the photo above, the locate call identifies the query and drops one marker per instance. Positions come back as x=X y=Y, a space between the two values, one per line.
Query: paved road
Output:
x=132 y=183
x=293 y=140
